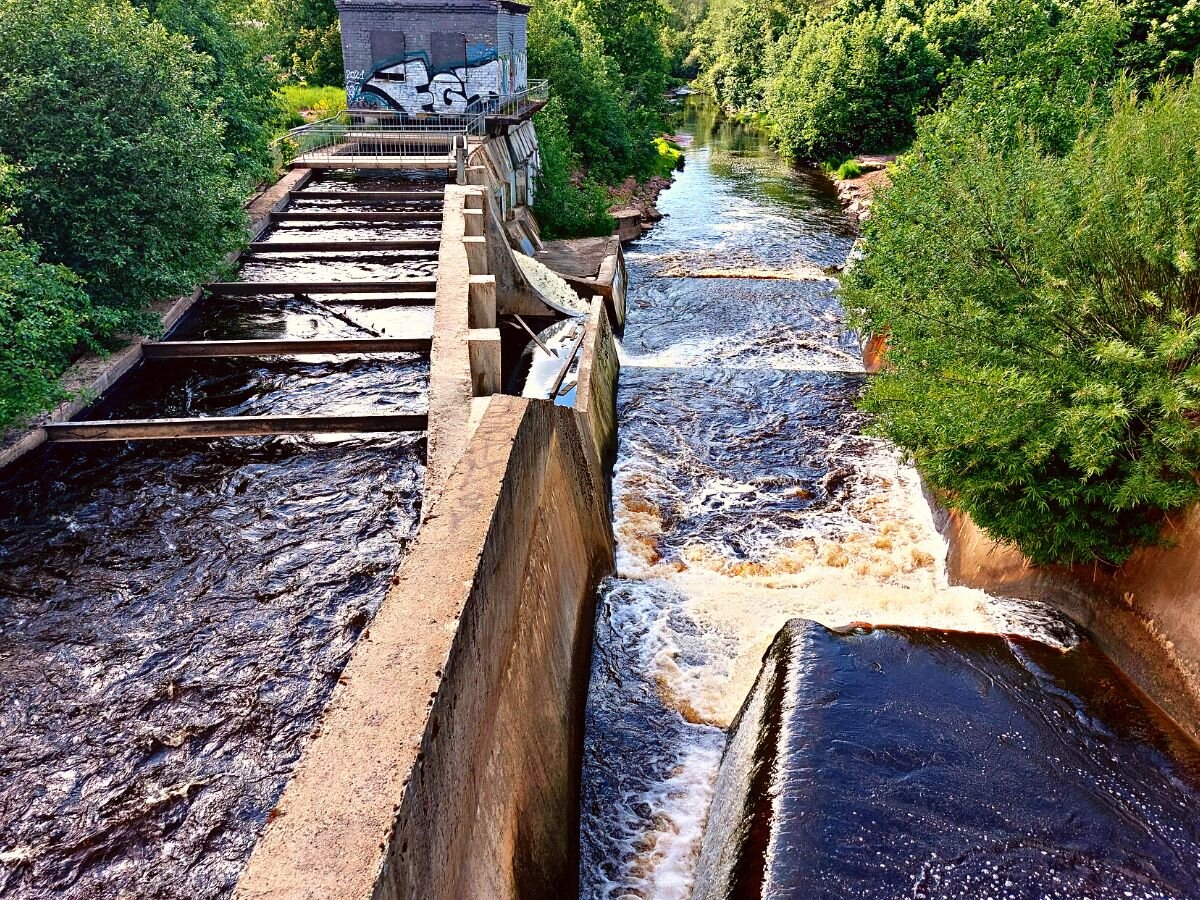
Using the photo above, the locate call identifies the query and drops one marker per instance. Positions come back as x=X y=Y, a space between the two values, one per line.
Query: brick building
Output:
x=416 y=57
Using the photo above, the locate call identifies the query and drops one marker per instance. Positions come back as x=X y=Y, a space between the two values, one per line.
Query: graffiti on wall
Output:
x=414 y=86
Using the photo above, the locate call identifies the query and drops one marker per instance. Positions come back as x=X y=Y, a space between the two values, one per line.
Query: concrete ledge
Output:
x=596 y=389
x=447 y=766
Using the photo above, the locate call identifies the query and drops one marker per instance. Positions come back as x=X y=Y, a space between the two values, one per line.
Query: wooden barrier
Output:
x=229 y=426
x=202 y=349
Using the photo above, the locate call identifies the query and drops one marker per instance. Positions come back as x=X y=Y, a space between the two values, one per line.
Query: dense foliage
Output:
x=834 y=78
x=303 y=37
x=43 y=315
x=234 y=80
x=1035 y=266
x=607 y=68
x=120 y=135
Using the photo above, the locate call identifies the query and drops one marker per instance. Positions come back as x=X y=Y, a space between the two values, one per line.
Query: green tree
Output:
x=129 y=184
x=857 y=83
x=1043 y=310
x=1164 y=37
x=570 y=56
x=43 y=315
x=305 y=37
x=240 y=87
x=565 y=208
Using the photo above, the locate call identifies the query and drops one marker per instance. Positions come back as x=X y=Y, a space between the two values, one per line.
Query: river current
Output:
x=747 y=492
x=175 y=614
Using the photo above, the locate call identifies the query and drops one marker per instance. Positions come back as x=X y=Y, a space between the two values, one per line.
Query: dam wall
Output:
x=448 y=762
x=1145 y=614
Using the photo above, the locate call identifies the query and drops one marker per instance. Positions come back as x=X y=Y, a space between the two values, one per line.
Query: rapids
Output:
x=747 y=492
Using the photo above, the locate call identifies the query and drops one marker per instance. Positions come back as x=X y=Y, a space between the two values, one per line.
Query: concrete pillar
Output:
x=483 y=344
x=477 y=255
x=473 y=222
x=481 y=301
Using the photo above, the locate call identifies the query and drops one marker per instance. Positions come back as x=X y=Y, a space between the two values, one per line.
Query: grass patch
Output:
x=849 y=170
x=301 y=103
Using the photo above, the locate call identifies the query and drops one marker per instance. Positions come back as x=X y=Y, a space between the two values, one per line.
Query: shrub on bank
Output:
x=43 y=315
x=128 y=181
x=565 y=208
x=1043 y=312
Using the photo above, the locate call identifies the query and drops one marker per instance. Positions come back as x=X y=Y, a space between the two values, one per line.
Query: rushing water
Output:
x=746 y=493
x=174 y=614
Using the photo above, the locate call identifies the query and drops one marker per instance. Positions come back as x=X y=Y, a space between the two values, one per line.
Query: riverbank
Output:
x=93 y=373
x=857 y=193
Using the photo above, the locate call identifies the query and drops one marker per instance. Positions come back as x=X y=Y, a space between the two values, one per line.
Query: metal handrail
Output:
x=361 y=134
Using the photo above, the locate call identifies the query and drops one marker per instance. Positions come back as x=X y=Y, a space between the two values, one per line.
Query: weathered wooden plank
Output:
x=250 y=288
x=230 y=426
x=430 y=244
x=353 y=196
x=400 y=215
x=201 y=349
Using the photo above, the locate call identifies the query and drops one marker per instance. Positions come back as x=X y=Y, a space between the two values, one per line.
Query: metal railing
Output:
x=536 y=91
x=381 y=136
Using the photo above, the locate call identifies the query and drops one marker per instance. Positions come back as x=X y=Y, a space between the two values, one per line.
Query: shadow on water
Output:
x=747 y=494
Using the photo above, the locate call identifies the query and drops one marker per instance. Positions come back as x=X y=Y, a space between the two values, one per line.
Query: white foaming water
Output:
x=744 y=495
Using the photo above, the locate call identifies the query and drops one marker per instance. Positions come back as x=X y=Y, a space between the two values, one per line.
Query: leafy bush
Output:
x=1043 y=312
x=129 y=184
x=845 y=84
x=43 y=316
x=563 y=207
x=303 y=37
x=848 y=170
x=234 y=81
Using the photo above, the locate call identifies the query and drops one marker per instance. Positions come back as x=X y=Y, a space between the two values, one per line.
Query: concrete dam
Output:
x=405 y=567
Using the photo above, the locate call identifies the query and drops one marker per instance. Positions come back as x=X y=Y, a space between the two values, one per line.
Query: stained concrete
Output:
x=591 y=266
x=1145 y=614
x=448 y=763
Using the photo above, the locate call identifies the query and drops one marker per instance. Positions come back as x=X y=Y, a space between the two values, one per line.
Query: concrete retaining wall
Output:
x=448 y=763
x=1145 y=615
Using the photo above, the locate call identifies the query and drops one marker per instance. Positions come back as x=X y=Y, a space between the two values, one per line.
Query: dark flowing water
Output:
x=746 y=494
x=174 y=615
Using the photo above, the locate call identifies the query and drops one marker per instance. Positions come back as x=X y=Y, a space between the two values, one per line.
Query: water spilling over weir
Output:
x=747 y=494
x=177 y=612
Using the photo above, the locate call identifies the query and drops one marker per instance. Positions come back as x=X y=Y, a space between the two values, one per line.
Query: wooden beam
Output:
x=251 y=288
x=201 y=349
x=433 y=194
x=229 y=426
x=406 y=215
x=380 y=301
x=347 y=246
x=398 y=162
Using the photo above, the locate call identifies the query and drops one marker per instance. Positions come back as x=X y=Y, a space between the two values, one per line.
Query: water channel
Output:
x=747 y=492
x=176 y=613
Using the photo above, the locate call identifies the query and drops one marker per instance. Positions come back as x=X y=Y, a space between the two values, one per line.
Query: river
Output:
x=748 y=491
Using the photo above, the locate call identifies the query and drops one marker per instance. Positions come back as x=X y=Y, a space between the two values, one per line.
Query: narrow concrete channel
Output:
x=178 y=611
x=986 y=750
